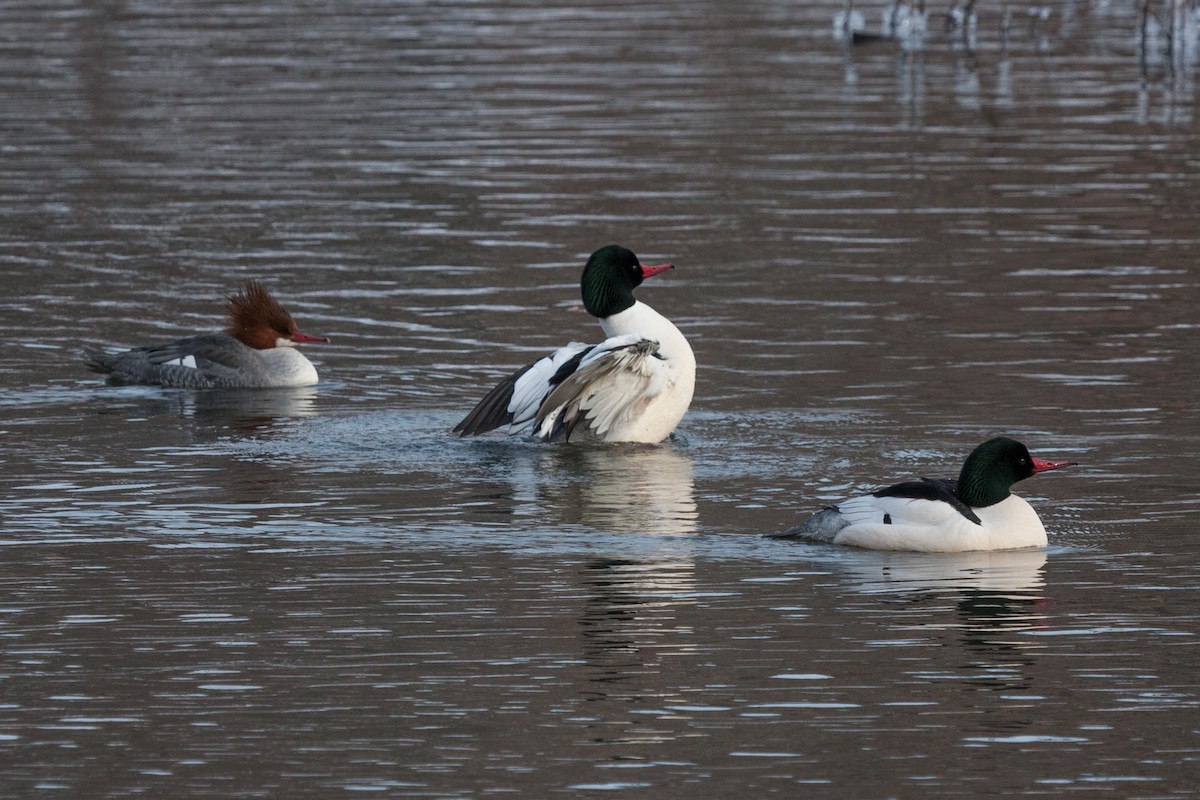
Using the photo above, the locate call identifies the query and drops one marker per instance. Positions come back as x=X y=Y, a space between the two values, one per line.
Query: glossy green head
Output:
x=611 y=275
x=993 y=467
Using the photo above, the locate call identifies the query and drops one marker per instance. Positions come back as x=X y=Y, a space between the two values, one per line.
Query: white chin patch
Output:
x=186 y=361
x=283 y=342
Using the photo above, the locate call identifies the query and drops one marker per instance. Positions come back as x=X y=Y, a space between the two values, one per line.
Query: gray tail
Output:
x=820 y=527
x=98 y=360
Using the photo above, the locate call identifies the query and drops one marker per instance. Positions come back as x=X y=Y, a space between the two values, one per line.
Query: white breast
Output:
x=661 y=412
x=287 y=366
x=1012 y=523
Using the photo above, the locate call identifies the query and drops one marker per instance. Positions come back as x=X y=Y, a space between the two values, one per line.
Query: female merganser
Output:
x=633 y=387
x=257 y=350
x=976 y=512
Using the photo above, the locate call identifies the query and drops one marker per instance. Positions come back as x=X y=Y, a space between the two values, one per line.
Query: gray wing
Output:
x=198 y=362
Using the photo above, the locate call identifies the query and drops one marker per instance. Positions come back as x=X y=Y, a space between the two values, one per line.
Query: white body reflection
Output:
x=614 y=489
x=1018 y=571
x=648 y=490
x=227 y=404
x=251 y=408
x=631 y=624
x=983 y=601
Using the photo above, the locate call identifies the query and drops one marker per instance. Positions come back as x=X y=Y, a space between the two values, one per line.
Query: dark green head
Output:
x=993 y=467
x=611 y=275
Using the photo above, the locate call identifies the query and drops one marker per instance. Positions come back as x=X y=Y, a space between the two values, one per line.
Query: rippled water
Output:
x=884 y=255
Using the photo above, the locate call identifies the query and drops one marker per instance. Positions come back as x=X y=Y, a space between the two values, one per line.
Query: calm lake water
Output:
x=884 y=256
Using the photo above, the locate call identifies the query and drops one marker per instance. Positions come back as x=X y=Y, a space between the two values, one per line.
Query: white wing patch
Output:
x=613 y=383
x=183 y=361
x=531 y=388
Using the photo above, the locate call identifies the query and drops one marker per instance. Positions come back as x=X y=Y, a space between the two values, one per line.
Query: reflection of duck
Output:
x=257 y=350
x=617 y=489
x=976 y=512
x=630 y=619
x=995 y=595
x=988 y=571
x=240 y=409
x=637 y=490
x=250 y=410
x=991 y=626
x=629 y=623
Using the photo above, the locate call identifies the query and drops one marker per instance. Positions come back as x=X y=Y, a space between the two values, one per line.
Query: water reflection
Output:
x=647 y=490
x=620 y=489
x=1020 y=571
x=981 y=602
x=1165 y=43
x=249 y=410
x=910 y=87
x=630 y=623
x=992 y=621
x=245 y=411
x=993 y=270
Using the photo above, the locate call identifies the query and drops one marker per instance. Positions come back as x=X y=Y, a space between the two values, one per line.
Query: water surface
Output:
x=884 y=255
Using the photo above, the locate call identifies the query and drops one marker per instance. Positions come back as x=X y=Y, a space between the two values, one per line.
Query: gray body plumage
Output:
x=213 y=361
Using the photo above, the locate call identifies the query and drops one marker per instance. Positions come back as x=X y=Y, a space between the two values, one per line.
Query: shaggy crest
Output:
x=256 y=318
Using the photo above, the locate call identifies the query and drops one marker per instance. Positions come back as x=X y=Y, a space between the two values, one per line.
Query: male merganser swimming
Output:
x=976 y=512
x=634 y=386
x=257 y=350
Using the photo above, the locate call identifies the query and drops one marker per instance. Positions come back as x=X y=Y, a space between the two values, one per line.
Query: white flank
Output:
x=932 y=526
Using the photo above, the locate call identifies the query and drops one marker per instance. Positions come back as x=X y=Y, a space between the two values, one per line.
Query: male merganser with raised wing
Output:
x=634 y=386
x=257 y=350
x=976 y=512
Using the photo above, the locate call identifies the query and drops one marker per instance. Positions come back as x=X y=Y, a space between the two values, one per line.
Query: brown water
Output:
x=883 y=257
